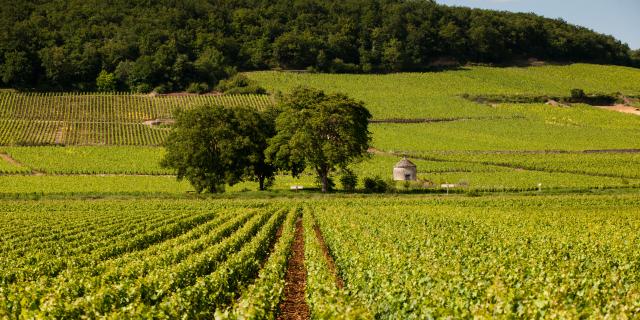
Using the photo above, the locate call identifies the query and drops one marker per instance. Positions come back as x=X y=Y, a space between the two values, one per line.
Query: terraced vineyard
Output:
x=98 y=119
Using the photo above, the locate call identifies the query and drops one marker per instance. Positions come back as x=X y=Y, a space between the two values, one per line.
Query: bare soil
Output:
x=60 y=134
x=10 y=160
x=622 y=108
x=15 y=162
x=330 y=262
x=294 y=306
x=159 y=122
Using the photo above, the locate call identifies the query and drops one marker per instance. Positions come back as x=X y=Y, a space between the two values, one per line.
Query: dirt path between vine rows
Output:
x=10 y=160
x=622 y=108
x=60 y=134
x=294 y=306
x=330 y=262
x=17 y=163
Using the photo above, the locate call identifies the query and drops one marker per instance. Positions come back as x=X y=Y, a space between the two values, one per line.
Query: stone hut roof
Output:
x=404 y=163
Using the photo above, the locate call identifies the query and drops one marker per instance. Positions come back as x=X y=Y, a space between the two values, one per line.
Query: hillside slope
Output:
x=168 y=45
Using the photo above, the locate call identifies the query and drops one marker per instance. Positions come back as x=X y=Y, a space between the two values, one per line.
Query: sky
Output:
x=619 y=18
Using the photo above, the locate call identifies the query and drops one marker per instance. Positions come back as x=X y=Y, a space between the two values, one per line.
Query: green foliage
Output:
x=349 y=180
x=17 y=69
x=507 y=257
x=325 y=299
x=577 y=128
x=142 y=88
x=24 y=185
x=375 y=185
x=198 y=87
x=397 y=257
x=262 y=298
x=156 y=249
x=319 y=130
x=96 y=119
x=175 y=44
x=214 y=146
x=106 y=82
x=210 y=65
x=577 y=94
x=91 y=159
x=439 y=95
x=609 y=164
x=240 y=84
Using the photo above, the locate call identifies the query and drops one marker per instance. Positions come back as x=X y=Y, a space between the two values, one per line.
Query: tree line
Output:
x=169 y=45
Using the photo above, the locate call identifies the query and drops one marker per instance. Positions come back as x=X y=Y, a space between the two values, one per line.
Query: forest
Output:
x=171 y=45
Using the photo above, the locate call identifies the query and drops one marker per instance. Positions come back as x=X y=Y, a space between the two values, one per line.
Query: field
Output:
x=97 y=119
x=397 y=258
x=439 y=94
x=539 y=218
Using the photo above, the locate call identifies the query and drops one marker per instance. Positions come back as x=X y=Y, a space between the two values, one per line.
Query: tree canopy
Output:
x=320 y=131
x=211 y=146
x=169 y=45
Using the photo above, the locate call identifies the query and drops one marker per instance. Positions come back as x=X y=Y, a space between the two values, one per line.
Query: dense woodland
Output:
x=167 y=45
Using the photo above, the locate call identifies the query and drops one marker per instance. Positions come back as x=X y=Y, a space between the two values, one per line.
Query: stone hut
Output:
x=405 y=170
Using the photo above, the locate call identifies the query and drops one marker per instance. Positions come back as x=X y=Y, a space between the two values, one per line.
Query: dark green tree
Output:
x=170 y=45
x=321 y=131
x=17 y=69
x=213 y=146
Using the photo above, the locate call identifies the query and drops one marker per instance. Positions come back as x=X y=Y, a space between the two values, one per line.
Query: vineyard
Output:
x=162 y=258
x=394 y=258
x=99 y=119
x=542 y=220
x=513 y=258
x=439 y=95
x=138 y=160
x=24 y=186
x=602 y=164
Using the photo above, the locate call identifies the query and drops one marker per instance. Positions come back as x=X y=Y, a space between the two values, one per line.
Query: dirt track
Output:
x=294 y=306
x=623 y=108
x=10 y=160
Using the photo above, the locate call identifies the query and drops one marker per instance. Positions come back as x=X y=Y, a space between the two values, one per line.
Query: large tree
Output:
x=211 y=146
x=321 y=131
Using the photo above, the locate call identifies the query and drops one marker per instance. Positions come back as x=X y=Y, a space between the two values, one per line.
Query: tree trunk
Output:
x=261 y=180
x=325 y=183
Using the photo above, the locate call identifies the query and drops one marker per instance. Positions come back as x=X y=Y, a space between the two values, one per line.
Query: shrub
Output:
x=577 y=94
x=339 y=66
x=199 y=88
x=375 y=185
x=240 y=84
x=349 y=180
x=142 y=88
x=162 y=89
